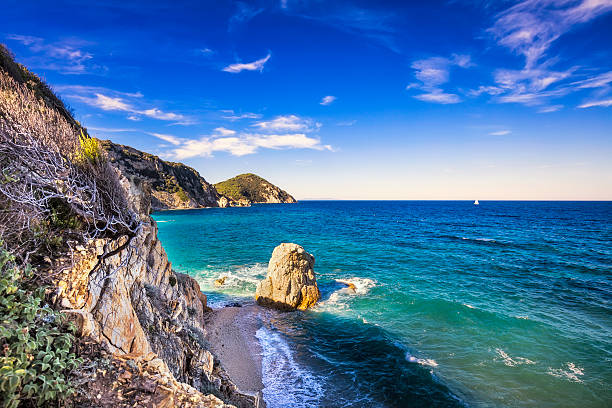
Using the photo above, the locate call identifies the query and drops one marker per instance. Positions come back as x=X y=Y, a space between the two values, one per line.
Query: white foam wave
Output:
x=569 y=371
x=286 y=383
x=429 y=362
x=338 y=299
x=479 y=239
x=239 y=281
x=164 y=221
x=357 y=286
x=512 y=361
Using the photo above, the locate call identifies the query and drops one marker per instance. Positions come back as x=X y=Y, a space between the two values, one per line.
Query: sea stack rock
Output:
x=291 y=282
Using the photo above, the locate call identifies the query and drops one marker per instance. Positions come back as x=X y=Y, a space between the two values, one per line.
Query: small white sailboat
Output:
x=476 y=202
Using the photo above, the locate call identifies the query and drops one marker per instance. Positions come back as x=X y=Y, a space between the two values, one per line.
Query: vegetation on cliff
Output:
x=84 y=226
x=36 y=341
x=57 y=191
x=252 y=188
x=56 y=184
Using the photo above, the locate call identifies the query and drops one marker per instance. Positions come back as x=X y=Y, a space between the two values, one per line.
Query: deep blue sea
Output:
x=504 y=304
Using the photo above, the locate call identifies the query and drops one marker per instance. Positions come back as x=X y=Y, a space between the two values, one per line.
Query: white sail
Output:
x=476 y=202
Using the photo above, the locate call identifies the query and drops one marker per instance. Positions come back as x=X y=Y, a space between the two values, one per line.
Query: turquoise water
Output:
x=506 y=304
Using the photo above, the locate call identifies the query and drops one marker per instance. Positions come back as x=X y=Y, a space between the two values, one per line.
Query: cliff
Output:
x=172 y=185
x=251 y=188
x=84 y=227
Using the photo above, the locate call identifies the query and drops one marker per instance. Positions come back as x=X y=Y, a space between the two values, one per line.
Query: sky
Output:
x=488 y=100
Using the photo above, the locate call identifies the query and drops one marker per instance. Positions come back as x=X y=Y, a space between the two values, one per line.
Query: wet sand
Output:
x=230 y=332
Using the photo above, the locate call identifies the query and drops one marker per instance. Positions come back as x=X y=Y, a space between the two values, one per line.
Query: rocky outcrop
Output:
x=123 y=293
x=172 y=185
x=291 y=282
x=250 y=188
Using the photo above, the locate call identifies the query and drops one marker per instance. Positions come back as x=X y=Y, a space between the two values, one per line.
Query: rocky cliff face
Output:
x=172 y=185
x=125 y=295
x=250 y=188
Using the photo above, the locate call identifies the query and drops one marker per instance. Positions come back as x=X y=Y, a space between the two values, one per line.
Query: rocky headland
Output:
x=175 y=186
x=250 y=188
x=171 y=185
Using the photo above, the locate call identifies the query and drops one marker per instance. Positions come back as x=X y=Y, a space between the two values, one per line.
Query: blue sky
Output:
x=342 y=99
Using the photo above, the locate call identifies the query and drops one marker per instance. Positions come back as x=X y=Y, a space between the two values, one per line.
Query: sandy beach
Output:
x=231 y=335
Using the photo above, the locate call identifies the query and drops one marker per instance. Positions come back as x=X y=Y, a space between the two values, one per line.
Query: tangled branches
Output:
x=56 y=183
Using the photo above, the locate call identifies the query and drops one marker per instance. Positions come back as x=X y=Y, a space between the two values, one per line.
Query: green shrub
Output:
x=182 y=195
x=35 y=342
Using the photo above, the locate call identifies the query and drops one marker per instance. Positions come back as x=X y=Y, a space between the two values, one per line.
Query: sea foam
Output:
x=569 y=371
x=286 y=382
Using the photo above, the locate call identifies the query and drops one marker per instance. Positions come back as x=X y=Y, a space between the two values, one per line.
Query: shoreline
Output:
x=230 y=331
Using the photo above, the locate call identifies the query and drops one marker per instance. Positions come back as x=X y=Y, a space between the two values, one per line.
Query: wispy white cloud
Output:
x=438 y=96
x=376 y=25
x=529 y=28
x=598 y=81
x=233 y=116
x=250 y=66
x=287 y=123
x=592 y=104
x=346 y=122
x=434 y=72
x=165 y=137
x=282 y=132
x=66 y=56
x=327 y=100
x=244 y=12
x=549 y=109
x=168 y=138
x=224 y=131
x=246 y=143
x=500 y=132
x=110 y=100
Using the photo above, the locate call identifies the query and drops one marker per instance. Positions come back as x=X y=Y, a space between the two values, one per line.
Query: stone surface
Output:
x=170 y=185
x=124 y=294
x=291 y=282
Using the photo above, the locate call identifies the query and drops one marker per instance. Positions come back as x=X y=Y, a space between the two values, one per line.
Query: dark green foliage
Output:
x=172 y=280
x=36 y=342
x=250 y=187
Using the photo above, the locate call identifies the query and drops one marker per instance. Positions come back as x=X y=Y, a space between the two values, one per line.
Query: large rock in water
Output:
x=291 y=282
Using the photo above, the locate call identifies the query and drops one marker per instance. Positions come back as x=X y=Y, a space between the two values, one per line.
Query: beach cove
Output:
x=467 y=323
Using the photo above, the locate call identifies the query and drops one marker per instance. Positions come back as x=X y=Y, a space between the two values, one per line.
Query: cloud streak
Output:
x=327 y=100
x=130 y=103
x=287 y=123
x=250 y=66
x=529 y=29
x=279 y=133
x=603 y=103
x=433 y=73
x=65 y=56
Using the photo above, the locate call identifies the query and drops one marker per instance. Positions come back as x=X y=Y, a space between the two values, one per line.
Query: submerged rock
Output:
x=220 y=282
x=291 y=282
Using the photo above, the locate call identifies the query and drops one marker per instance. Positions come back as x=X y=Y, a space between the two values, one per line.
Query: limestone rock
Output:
x=291 y=282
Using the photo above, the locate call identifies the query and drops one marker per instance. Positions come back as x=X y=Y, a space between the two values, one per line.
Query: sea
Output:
x=502 y=304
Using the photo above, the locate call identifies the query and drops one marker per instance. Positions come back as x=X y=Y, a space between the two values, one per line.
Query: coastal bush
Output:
x=89 y=149
x=35 y=341
x=57 y=184
x=182 y=195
